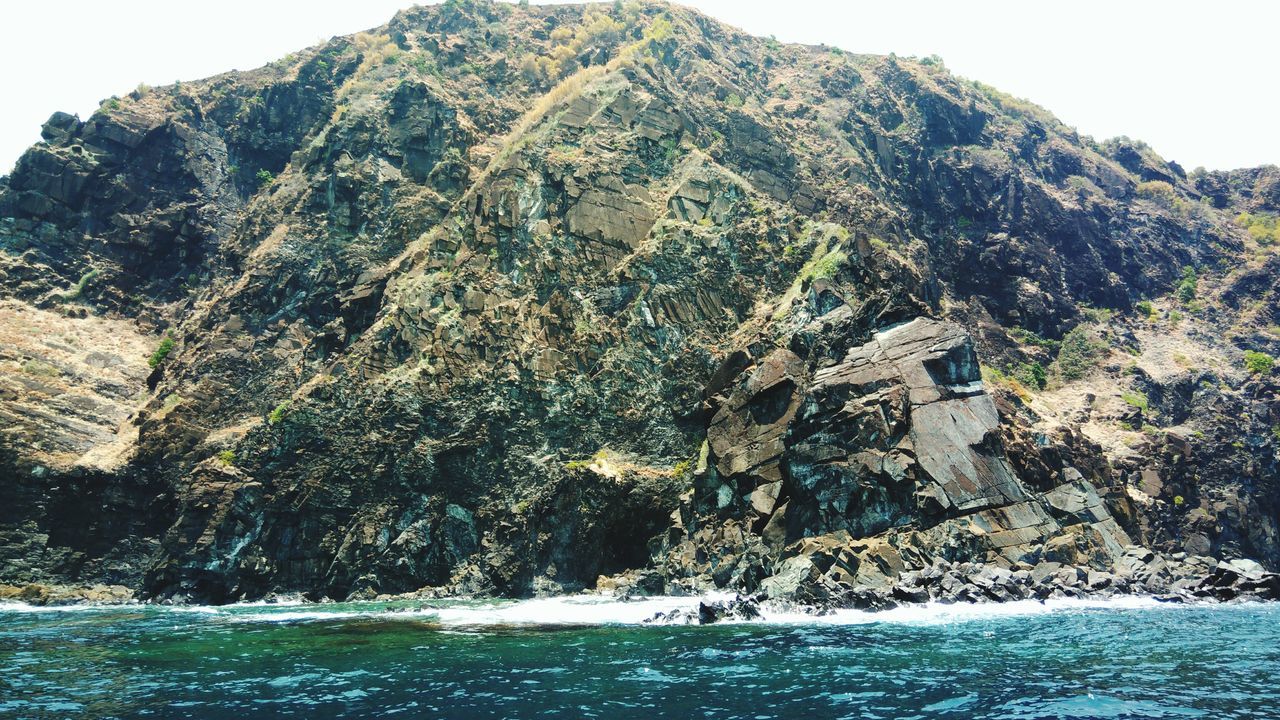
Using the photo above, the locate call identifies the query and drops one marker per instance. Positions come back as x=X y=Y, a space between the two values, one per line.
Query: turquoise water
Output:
x=543 y=659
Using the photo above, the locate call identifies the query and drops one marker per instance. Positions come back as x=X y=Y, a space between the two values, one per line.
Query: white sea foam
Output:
x=591 y=610
x=581 y=610
x=941 y=614
x=22 y=607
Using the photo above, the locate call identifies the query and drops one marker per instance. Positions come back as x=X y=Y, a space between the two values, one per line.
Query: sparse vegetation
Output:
x=825 y=267
x=265 y=178
x=78 y=289
x=1031 y=374
x=1258 y=363
x=162 y=351
x=1028 y=337
x=1263 y=228
x=996 y=377
x=1082 y=349
x=1083 y=185
x=598 y=29
x=227 y=458
x=277 y=414
x=1145 y=308
x=583 y=464
x=1157 y=191
x=1188 y=285
x=1136 y=399
x=682 y=468
x=40 y=368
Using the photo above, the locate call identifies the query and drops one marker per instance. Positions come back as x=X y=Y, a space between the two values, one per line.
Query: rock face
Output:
x=515 y=300
x=884 y=462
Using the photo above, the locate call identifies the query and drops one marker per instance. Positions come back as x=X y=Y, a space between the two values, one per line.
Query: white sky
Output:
x=1196 y=80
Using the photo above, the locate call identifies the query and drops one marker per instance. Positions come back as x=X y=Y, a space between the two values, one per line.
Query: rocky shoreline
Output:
x=1176 y=578
x=1182 y=580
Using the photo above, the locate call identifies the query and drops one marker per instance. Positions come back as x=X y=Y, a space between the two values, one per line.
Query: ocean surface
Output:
x=591 y=658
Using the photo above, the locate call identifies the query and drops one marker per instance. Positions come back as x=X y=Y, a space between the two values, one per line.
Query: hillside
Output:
x=500 y=300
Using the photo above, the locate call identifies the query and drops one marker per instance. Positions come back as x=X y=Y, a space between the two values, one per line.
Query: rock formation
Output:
x=520 y=300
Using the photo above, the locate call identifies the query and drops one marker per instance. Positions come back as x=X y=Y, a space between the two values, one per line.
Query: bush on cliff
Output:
x=1157 y=191
x=162 y=352
x=1188 y=284
x=1258 y=363
x=1082 y=349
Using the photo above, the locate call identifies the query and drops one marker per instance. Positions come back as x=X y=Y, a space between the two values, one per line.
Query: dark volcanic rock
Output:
x=519 y=300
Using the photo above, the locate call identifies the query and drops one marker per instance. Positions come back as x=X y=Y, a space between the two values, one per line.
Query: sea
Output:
x=596 y=657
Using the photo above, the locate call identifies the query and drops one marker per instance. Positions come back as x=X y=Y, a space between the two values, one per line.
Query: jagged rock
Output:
x=451 y=323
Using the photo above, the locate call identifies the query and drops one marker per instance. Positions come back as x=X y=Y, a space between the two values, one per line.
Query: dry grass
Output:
x=71 y=382
x=566 y=89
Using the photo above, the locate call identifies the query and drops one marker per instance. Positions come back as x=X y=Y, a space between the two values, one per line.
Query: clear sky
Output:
x=1196 y=80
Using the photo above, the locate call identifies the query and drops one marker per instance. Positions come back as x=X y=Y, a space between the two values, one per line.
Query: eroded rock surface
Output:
x=525 y=300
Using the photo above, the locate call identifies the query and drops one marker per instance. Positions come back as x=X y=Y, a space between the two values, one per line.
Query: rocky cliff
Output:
x=512 y=300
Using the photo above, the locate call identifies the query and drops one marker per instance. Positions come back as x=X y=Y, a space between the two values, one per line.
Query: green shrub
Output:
x=265 y=178
x=1258 y=363
x=1028 y=337
x=424 y=64
x=1136 y=399
x=227 y=457
x=278 y=413
x=825 y=267
x=1146 y=308
x=734 y=100
x=994 y=376
x=80 y=285
x=162 y=351
x=1262 y=227
x=1188 y=284
x=1080 y=352
x=1157 y=191
x=1032 y=374
x=40 y=368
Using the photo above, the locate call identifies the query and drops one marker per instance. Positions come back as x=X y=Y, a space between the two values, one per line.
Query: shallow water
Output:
x=587 y=658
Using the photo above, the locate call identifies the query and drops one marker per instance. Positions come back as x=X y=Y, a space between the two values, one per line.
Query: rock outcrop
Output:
x=820 y=485
x=524 y=300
